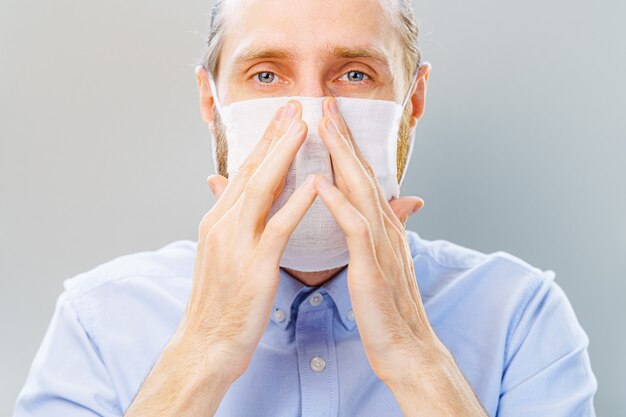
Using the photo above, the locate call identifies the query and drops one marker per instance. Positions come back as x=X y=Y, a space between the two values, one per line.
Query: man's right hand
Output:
x=235 y=278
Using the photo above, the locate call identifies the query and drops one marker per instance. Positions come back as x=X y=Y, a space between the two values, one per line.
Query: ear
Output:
x=418 y=95
x=206 y=97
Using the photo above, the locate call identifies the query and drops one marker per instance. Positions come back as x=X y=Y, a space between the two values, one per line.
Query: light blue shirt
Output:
x=509 y=326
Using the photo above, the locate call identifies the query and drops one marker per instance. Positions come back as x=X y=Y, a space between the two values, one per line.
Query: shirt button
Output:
x=350 y=315
x=279 y=315
x=316 y=298
x=317 y=364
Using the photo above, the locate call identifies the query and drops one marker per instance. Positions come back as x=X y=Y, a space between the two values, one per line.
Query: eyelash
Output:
x=366 y=78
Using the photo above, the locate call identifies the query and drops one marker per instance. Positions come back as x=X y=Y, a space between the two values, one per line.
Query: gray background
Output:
x=522 y=149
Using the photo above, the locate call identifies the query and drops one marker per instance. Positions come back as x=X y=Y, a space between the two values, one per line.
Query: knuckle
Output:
x=254 y=189
x=246 y=169
x=215 y=236
x=359 y=227
x=276 y=228
x=206 y=224
x=251 y=190
x=267 y=140
x=282 y=129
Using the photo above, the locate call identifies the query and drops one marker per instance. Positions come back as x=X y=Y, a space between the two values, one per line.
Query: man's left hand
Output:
x=401 y=345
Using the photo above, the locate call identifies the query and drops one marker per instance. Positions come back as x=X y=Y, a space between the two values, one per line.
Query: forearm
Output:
x=182 y=383
x=437 y=388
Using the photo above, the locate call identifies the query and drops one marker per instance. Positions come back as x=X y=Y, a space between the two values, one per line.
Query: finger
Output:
x=330 y=107
x=389 y=247
x=370 y=201
x=260 y=190
x=396 y=216
x=359 y=188
x=368 y=168
x=281 y=129
x=405 y=207
x=252 y=161
x=235 y=185
x=217 y=184
x=282 y=224
x=292 y=111
x=353 y=224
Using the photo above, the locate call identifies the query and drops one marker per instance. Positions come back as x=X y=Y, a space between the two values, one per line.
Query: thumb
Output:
x=218 y=184
x=404 y=207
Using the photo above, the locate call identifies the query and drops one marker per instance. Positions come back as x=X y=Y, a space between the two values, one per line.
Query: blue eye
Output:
x=265 y=77
x=355 y=76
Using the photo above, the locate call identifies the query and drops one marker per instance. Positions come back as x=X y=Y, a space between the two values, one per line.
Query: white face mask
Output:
x=318 y=242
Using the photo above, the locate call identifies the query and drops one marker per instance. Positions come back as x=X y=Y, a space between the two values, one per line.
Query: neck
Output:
x=314 y=279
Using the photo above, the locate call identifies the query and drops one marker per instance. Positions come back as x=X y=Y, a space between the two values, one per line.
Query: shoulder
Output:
x=500 y=308
x=490 y=283
x=135 y=283
x=113 y=321
x=172 y=260
x=443 y=256
x=451 y=255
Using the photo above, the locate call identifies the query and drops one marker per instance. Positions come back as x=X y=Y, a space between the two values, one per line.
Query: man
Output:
x=410 y=327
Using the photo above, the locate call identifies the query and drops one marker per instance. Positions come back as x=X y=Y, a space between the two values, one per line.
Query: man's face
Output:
x=310 y=48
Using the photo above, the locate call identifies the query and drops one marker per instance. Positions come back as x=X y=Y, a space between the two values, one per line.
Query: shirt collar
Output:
x=289 y=289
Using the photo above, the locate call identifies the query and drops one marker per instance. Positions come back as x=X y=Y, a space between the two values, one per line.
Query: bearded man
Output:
x=305 y=295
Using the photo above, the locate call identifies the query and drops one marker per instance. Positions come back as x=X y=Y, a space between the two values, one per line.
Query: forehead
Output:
x=310 y=29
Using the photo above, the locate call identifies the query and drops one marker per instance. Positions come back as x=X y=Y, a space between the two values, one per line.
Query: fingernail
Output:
x=323 y=183
x=290 y=111
x=333 y=106
x=416 y=208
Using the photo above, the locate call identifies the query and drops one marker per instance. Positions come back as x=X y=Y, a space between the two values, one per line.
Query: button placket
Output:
x=317 y=361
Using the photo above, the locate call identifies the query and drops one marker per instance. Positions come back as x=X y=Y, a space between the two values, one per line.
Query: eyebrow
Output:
x=359 y=52
x=256 y=53
x=253 y=54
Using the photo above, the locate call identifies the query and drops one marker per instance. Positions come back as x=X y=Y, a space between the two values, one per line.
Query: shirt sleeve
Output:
x=547 y=370
x=67 y=376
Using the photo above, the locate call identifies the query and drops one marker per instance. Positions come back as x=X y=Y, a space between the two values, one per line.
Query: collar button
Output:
x=279 y=315
x=316 y=298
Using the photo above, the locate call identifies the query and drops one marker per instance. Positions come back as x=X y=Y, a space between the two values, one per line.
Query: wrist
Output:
x=422 y=367
x=180 y=384
x=432 y=384
x=207 y=361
